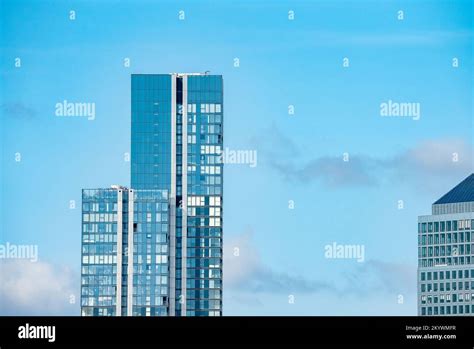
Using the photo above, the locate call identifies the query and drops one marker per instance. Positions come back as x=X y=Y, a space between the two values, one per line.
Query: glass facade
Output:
x=99 y=252
x=156 y=249
x=151 y=131
x=118 y=224
x=204 y=196
x=150 y=253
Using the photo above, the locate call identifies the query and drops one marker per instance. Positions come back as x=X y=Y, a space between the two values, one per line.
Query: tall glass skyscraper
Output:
x=445 y=254
x=115 y=222
x=177 y=145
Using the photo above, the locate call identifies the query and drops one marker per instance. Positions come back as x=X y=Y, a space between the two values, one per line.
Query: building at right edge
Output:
x=445 y=254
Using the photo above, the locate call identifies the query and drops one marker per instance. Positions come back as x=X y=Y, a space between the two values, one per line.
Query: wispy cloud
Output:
x=334 y=172
x=17 y=110
x=436 y=157
x=248 y=277
x=38 y=288
x=381 y=277
x=423 y=166
x=246 y=271
x=247 y=299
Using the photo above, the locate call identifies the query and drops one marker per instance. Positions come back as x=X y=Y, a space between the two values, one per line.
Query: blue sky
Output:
x=282 y=63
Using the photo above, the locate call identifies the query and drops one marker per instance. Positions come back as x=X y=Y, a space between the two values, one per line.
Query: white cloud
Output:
x=436 y=157
x=237 y=268
x=253 y=287
x=247 y=272
x=37 y=288
x=429 y=165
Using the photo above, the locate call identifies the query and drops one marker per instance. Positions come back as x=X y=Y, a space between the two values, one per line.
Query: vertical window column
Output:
x=118 y=301
x=184 y=167
x=172 y=200
x=130 y=255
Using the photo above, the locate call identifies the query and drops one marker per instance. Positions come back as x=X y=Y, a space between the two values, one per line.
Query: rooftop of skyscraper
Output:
x=463 y=192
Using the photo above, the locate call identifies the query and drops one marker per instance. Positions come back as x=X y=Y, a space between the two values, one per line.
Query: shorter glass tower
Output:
x=445 y=254
x=125 y=242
